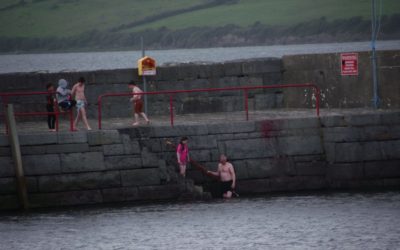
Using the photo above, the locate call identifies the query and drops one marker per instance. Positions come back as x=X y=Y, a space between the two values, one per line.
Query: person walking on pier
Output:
x=137 y=103
x=78 y=91
x=182 y=154
x=64 y=96
x=227 y=176
x=51 y=100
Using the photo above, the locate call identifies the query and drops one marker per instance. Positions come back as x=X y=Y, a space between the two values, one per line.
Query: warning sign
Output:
x=349 y=64
x=147 y=66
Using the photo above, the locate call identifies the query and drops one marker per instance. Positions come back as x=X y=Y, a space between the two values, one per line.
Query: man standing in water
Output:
x=227 y=176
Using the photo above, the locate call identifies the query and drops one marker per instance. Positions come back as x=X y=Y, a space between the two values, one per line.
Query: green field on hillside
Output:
x=66 y=18
x=276 y=12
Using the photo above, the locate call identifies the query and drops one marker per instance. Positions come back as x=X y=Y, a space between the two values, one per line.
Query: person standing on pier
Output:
x=227 y=176
x=51 y=100
x=182 y=154
x=78 y=91
x=137 y=103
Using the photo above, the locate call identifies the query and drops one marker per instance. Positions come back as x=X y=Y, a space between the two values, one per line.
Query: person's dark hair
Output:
x=49 y=85
x=82 y=80
x=184 y=138
x=132 y=83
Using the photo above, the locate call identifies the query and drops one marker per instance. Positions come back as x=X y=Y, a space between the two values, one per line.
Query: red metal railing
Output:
x=244 y=89
x=57 y=113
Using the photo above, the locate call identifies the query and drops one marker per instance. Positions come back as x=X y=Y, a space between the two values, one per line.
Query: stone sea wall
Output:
x=134 y=164
x=321 y=69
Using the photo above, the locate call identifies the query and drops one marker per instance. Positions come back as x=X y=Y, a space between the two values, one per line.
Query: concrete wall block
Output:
x=131 y=146
x=389 y=149
x=4 y=141
x=258 y=186
x=345 y=171
x=5 y=151
x=232 y=68
x=9 y=202
x=66 y=198
x=140 y=177
x=260 y=66
x=392 y=183
x=308 y=122
x=241 y=169
x=249 y=149
x=67 y=148
x=264 y=101
x=8 y=186
x=82 y=162
x=333 y=121
x=343 y=134
x=6 y=167
x=179 y=130
x=364 y=119
x=120 y=194
x=41 y=164
x=382 y=169
x=113 y=149
x=81 y=181
x=122 y=162
x=228 y=128
x=37 y=139
x=103 y=137
x=300 y=145
x=200 y=155
x=202 y=142
x=298 y=183
x=263 y=168
x=72 y=137
x=348 y=152
x=34 y=150
x=315 y=168
x=390 y=118
x=149 y=159
x=159 y=192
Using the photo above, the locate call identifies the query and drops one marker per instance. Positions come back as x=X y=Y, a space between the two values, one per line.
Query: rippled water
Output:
x=314 y=221
x=84 y=61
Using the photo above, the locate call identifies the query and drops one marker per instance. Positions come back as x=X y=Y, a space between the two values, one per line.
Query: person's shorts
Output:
x=226 y=186
x=138 y=106
x=80 y=104
x=67 y=104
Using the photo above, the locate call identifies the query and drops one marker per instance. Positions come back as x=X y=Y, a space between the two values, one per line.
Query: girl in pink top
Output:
x=182 y=153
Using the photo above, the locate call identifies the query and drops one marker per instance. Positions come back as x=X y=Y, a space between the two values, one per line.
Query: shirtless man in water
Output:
x=227 y=176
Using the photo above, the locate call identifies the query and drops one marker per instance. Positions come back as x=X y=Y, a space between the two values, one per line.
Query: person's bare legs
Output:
x=145 y=117
x=136 y=119
x=228 y=195
x=182 y=170
x=84 y=118
x=78 y=117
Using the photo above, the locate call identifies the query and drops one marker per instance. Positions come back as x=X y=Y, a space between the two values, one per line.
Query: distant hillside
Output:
x=42 y=25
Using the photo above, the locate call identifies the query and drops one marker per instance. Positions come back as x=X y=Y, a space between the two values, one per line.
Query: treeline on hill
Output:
x=320 y=30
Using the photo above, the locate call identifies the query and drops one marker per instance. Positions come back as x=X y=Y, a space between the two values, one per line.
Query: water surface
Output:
x=87 y=61
x=312 y=221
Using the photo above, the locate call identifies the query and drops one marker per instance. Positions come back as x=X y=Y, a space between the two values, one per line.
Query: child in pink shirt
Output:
x=182 y=153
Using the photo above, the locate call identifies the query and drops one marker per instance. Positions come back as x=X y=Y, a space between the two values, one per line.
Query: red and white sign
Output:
x=349 y=64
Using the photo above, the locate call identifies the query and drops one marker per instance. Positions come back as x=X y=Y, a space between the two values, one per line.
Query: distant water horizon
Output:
x=107 y=60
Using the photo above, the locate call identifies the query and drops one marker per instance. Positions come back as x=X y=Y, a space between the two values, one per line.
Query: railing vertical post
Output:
x=246 y=103
x=57 y=117
x=5 y=104
x=317 y=93
x=71 y=120
x=171 y=109
x=99 y=111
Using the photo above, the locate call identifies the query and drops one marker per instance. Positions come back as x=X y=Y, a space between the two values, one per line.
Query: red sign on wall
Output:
x=349 y=64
